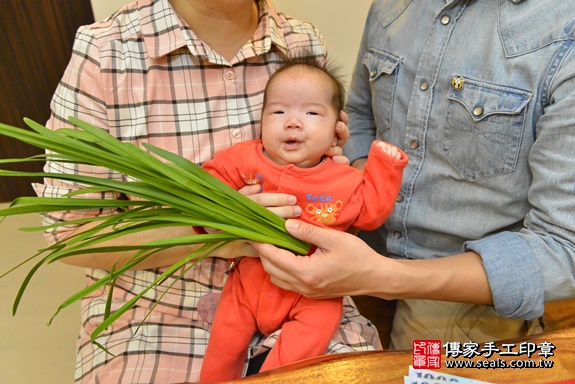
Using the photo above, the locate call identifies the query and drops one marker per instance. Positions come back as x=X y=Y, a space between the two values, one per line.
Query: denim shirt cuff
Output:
x=514 y=275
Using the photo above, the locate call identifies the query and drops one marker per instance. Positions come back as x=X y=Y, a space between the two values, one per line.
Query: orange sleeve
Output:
x=381 y=184
x=225 y=164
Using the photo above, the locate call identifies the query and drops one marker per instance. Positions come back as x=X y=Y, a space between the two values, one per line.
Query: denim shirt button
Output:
x=397 y=234
x=477 y=111
x=445 y=19
x=424 y=86
x=373 y=73
x=399 y=198
x=414 y=144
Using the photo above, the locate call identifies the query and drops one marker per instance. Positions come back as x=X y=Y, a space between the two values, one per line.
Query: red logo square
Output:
x=426 y=354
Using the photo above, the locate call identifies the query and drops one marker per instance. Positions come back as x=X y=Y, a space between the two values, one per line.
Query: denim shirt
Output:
x=481 y=96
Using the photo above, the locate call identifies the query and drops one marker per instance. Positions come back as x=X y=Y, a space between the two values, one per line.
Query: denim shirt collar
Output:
x=520 y=26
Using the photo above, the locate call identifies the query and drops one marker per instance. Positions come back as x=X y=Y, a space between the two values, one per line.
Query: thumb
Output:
x=307 y=232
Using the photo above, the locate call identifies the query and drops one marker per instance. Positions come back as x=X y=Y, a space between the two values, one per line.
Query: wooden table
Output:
x=392 y=366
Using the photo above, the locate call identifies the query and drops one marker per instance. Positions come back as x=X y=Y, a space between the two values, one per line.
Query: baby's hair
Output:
x=313 y=63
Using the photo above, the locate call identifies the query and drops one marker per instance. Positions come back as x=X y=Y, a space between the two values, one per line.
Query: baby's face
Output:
x=298 y=121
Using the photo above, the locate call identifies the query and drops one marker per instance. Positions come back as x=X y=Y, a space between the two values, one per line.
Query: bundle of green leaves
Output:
x=169 y=191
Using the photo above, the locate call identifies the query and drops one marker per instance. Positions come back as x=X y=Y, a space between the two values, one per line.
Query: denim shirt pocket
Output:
x=382 y=70
x=483 y=128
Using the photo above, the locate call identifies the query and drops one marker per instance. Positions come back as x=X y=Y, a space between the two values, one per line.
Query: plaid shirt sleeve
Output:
x=144 y=76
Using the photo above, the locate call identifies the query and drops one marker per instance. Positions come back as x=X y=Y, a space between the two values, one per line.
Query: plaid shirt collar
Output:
x=163 y=31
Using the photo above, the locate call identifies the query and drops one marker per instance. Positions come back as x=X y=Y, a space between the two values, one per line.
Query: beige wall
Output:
x=340 y=21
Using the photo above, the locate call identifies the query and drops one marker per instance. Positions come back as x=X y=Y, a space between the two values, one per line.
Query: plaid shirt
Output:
x=144 y=76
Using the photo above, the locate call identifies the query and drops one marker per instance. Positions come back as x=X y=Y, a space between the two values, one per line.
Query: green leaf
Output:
x=166 y=191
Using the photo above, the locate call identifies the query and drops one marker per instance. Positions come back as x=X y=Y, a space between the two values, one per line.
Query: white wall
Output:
x=340 y=21
x=103 y=8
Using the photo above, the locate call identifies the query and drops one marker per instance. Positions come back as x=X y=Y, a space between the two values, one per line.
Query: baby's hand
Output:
x=391 y=150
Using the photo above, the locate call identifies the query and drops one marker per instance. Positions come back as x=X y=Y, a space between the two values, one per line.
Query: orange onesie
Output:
x=331 y=195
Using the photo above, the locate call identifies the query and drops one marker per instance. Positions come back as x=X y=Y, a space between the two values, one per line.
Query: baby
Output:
x=302 y=103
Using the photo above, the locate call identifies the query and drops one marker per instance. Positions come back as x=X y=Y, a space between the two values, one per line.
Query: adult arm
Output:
x=279 y=203
x=537 y=263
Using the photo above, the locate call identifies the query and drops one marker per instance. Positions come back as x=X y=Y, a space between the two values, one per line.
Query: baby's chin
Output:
x=297 y=156
x=303 y=162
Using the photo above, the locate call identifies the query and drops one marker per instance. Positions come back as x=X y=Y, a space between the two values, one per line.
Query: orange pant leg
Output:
x=250 y=302
x=234 y=324
x=306 y=333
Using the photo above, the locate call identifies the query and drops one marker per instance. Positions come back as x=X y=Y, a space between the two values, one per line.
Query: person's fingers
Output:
x=342 y=135
x=248 y=190
x=342 y=132
x=321 y=237
x=343 y=117
x=341 y=159
x=287 y=211
x=273 y=199
x=336 y=153
x=281 y=204
x=277 y=262
x=390 y=149
x=383 y=145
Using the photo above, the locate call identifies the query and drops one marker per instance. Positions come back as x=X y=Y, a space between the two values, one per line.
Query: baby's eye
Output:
x=278 y=112
x=312 y=113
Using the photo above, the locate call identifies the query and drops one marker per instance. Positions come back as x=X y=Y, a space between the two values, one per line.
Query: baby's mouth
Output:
x=291 y=143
